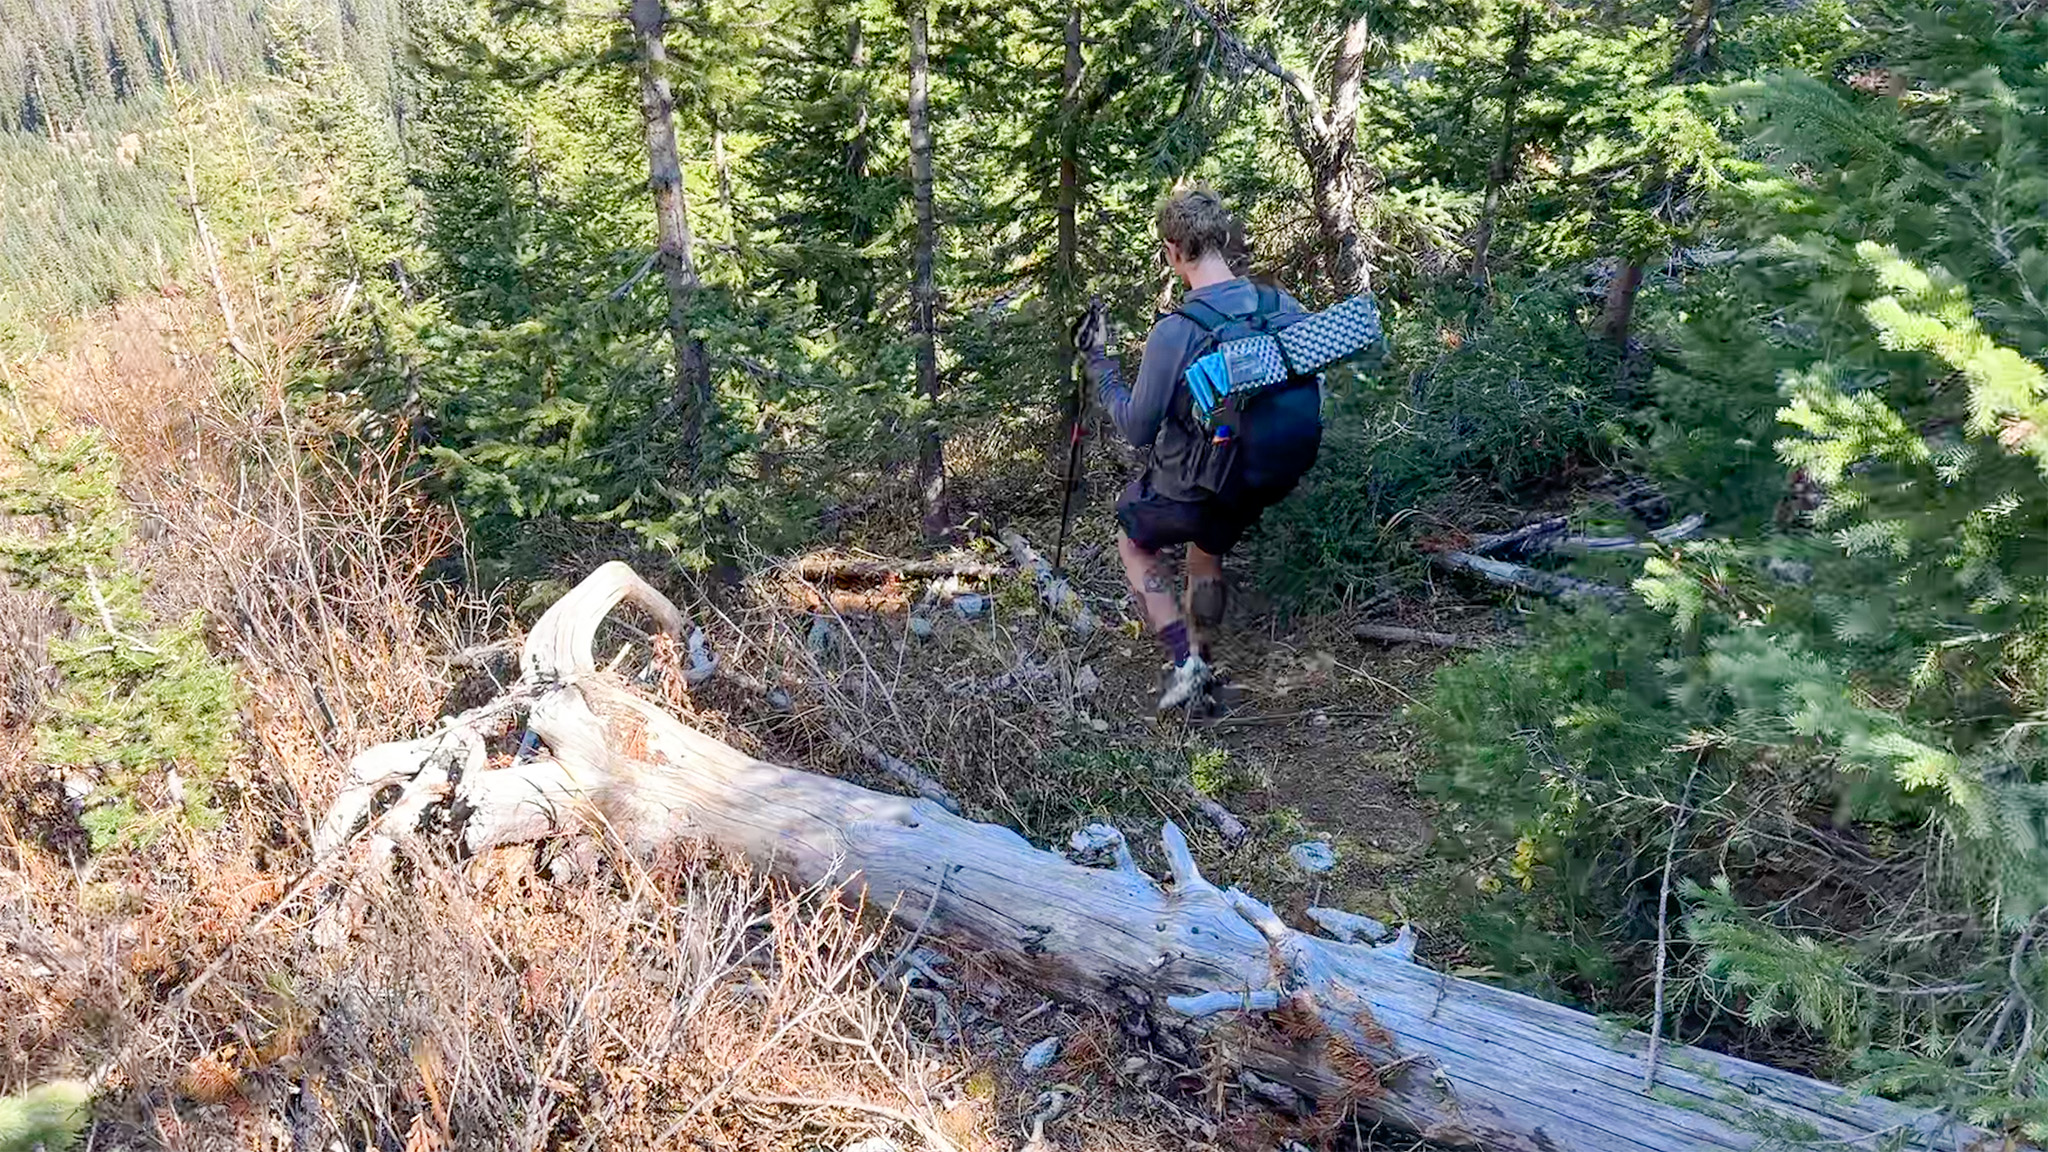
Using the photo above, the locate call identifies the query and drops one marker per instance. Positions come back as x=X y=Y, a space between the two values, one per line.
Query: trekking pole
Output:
x=1074 y=448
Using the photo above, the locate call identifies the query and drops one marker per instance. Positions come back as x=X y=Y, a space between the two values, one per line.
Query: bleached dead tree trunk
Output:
x=1185 y=962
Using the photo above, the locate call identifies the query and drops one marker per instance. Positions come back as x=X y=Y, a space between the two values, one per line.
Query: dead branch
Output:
x=1552 y=584
x=1053 y=588
x=842 y=570
x=1394 y=634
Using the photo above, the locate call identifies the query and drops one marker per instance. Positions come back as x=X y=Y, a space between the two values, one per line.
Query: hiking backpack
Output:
x=1258 y=439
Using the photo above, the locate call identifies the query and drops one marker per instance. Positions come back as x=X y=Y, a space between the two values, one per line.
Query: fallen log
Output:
x=1551 y=535
x=1555 y=585
x=1053 y=588
x=845 y=570
x=1524 y=539
x=1670 y=534
x=1395 y=634
x=1191 y=967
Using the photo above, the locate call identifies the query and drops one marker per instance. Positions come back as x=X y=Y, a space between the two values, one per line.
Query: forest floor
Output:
x=1306 y=735
x=423 y=1028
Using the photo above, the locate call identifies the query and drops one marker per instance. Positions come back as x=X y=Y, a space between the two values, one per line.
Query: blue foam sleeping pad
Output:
x=1243 y=367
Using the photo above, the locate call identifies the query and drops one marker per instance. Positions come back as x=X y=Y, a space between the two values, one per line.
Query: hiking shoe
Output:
x=1206 y=600
x=1185 y=683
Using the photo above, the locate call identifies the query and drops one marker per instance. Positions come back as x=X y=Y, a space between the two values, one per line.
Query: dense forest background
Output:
x=712 y=280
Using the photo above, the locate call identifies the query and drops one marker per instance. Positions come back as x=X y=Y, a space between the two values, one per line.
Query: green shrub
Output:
x=1833 y=735
x=1505 y=406
x=140 y=703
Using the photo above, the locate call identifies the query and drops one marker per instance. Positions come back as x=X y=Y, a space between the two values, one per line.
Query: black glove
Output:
x=1091 y=331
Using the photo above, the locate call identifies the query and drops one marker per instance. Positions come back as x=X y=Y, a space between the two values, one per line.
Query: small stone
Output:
x=971 y=606
x=1099 y=724
x=921 y=628
x=1086 y=681
x=1319 y=720
x=1788 y=571
x=1313 y=855
x=1095 y=838
x=1348 y=927
x=1042 y=1054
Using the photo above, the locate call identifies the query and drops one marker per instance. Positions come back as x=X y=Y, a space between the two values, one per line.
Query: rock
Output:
x=971 y=605
x=1319 y=720
x=1086 y=681
x=1788 y=571
x=1348 y=927
x=1095 y=838
x=1313 y=855
x=1042 y=1054
x=1099 y=724
x=921 y=628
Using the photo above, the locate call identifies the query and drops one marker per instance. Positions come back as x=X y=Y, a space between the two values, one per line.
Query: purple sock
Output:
x=1175 y=637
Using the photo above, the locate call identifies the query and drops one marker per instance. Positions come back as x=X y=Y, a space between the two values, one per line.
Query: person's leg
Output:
x=1151 y=581
x=1205 y=597
x=1150 y=523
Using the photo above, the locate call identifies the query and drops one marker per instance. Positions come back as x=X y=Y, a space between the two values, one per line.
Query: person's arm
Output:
x=1138 y=410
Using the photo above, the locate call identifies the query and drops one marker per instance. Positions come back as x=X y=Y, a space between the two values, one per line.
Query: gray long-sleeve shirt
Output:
x=1140 y=411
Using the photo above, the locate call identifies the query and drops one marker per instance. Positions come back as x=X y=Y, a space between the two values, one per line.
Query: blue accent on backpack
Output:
x=1225 y=380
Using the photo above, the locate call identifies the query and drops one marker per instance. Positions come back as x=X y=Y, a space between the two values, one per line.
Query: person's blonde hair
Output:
x=1195 y=220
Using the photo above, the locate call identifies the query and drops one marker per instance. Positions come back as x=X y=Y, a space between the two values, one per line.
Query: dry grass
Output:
x=569 y=997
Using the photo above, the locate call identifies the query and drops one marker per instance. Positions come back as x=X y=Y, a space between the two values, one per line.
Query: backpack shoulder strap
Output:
x=1202 y=314
x=1269 y=299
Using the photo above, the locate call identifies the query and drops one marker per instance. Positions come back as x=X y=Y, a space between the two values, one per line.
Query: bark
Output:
x=1053 y=590
x=1395 y=634
x=1619 y=310
x=723 y=166
x=672 y=226
x=931 y=459
x=1210 y=976
x=858 y=148
x=1326 y=134
x=1502 y=170
x=1327 y=137
x=839 y=570
x=1698 y=44
x=1555 y=585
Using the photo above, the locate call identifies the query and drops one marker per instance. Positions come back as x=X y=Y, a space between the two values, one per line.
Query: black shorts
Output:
x=1214 y=524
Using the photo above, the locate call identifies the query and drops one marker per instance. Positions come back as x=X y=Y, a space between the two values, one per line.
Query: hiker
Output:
x=1199 y=489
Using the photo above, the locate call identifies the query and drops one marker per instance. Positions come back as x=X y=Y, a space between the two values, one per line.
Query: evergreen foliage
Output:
x=1833 y=725
x=142 y=710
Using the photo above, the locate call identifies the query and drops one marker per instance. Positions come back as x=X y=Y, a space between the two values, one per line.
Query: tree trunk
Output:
x=931 y=461
x=1503 y=167
x=859 y=146
x=672 y=227
x=723 y=166
x=1619 y=310
x=1699 y=39
x=1204 y=974
x=1334 y=168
